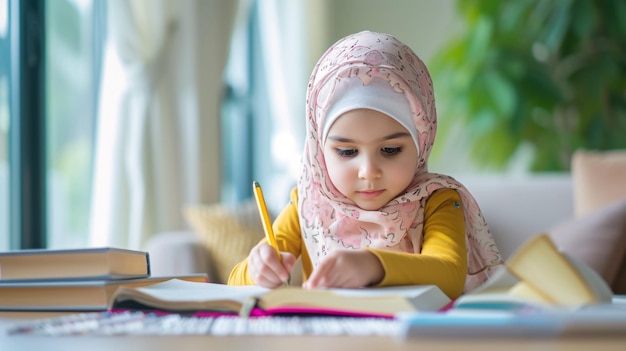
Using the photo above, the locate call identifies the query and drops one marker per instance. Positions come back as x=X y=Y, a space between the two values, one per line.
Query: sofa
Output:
x=516 y=207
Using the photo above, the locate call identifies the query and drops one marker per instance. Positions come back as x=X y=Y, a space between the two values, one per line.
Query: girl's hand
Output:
x=266 y=269
x=346 y=269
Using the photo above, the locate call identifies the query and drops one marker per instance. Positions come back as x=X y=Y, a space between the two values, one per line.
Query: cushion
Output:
x=619 y=285
x=228 y=233
x=599 y=179
x=599 y=240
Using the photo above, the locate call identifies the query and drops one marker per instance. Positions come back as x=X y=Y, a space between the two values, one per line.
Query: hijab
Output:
x=352 y=74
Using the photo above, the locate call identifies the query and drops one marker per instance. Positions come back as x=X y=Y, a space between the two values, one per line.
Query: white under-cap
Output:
x=351 y=94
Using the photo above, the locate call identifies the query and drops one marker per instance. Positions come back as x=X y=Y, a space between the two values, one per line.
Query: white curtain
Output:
x=157 y=143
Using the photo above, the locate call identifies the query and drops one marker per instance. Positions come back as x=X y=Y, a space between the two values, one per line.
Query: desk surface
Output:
x=305 y=343
x=300 y=343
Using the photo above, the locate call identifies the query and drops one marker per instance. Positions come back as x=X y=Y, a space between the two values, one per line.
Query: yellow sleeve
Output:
x=287 y=230
x=443 y=258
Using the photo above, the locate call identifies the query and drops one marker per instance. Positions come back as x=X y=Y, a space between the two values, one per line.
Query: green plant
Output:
x=546 y=73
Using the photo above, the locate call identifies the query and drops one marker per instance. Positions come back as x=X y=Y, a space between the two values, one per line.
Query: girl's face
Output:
x=371 y=158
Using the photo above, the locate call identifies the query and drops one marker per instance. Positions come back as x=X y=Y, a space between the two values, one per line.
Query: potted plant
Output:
x=548 y=75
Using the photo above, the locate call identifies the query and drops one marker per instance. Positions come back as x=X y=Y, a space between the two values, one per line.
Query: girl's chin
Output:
x=369 y=205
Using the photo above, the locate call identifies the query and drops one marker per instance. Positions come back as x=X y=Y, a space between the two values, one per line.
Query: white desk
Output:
x=301 y=343
x=304 y=343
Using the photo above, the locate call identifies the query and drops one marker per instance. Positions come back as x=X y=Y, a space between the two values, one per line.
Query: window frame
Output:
x=27 y=129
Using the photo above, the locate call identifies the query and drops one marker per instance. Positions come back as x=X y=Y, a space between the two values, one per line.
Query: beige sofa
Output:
x=516 y=207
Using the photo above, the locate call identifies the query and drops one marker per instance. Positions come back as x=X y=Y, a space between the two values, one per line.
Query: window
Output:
x=4 y=124
x=68 y=35
x=73 y=51
x=266 y=82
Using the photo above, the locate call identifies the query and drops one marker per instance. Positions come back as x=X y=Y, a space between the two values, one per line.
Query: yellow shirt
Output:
x=442 y=260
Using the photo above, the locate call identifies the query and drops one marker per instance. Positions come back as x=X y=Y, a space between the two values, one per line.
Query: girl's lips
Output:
x=371 y=194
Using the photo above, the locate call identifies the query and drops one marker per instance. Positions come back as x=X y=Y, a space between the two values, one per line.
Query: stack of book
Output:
x=72 y=279
x=110 y=279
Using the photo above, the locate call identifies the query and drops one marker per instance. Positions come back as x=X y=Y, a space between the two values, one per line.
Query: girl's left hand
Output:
x=346 y=269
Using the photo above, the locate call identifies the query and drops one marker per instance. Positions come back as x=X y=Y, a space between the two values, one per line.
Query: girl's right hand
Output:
x=265 y=267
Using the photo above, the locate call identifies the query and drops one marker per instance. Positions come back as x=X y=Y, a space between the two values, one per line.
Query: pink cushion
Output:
x=599 y=179
x=599 y=240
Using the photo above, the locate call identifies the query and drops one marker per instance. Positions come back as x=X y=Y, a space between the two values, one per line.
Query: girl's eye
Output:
x=390 y=151
x=346 y=152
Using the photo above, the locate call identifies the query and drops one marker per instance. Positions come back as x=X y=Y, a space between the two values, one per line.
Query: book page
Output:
x=381 y=301
x=183 y=295
x=540 y=265
x=597 y=284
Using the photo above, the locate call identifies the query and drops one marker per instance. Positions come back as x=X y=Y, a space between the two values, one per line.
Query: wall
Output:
x=423 y=25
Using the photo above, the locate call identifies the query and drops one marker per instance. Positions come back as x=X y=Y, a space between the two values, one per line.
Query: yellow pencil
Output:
x=265 y=217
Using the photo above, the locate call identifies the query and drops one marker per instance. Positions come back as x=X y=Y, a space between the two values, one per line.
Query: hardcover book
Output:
x=79 y=264
x=73 y=295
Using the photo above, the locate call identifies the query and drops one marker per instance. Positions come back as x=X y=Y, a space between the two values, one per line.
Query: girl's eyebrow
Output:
x=396 y=135
x=388 y=137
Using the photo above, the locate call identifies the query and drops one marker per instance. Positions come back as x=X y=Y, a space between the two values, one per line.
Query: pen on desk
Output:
x=265 y=217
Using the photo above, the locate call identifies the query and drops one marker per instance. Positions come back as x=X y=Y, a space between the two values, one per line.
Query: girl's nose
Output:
x=369 y=168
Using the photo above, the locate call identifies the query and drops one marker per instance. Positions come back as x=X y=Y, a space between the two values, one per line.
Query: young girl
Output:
x=366 y=211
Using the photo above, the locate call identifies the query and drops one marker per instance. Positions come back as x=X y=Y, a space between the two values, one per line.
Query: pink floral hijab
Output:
x=328 y=219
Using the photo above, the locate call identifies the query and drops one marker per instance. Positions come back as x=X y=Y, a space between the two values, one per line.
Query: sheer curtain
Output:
x=158 y=142
x=263 y=120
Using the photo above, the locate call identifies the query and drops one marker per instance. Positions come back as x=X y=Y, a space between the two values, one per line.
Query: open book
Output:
x=539 y=275
x=183 y=296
